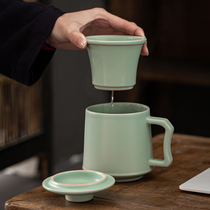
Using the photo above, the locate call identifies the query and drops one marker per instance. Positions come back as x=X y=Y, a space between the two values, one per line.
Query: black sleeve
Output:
x=24 y=28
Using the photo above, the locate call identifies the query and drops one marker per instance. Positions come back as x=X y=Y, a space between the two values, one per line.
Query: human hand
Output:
x=70 y=29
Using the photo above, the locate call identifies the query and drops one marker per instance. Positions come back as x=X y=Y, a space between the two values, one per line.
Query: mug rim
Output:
x=118 y=114
x=129 y=40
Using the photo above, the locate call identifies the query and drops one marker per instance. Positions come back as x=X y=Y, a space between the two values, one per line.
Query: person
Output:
x=31 y=31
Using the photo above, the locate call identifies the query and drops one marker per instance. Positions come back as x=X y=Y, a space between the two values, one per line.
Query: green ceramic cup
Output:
x=114 y=60
x=118 y=140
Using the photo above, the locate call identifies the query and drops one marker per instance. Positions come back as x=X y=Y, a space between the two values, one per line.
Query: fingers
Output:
x=70 y=29
x=133 y=29
x=120 y=24
x=125 y=27
x=78 y=39
x=144 y=50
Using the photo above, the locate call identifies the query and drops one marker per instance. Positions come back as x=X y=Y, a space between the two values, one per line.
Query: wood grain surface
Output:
x=157 y=190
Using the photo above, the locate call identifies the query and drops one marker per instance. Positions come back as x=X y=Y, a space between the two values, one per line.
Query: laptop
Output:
x=199 y=183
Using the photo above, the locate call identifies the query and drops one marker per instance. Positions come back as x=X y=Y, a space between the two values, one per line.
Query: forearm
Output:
x=24 y=30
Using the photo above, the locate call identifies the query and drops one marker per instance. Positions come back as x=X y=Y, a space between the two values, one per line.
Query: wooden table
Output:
x=157 y=190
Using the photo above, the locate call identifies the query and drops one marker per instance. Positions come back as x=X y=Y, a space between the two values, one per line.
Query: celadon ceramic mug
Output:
x=118 y=140
x=114 y=60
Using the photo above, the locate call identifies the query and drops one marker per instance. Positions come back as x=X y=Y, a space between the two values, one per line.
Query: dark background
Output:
x=174 y=80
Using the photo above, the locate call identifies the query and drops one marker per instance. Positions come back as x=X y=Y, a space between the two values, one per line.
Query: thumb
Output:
x=78 y=39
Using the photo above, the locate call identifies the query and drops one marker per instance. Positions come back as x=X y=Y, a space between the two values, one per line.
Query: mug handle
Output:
x=169 y=129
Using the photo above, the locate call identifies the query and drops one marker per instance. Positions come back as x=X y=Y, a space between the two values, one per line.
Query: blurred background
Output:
x=48 y=125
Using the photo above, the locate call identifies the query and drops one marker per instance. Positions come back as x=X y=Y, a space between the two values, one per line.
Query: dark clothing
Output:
x=24 y=30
